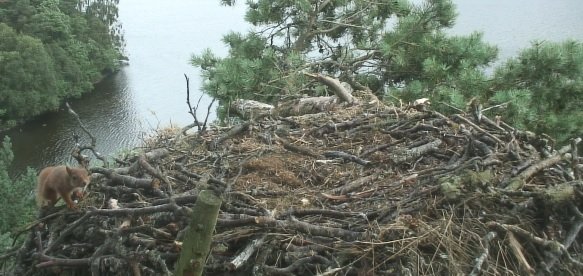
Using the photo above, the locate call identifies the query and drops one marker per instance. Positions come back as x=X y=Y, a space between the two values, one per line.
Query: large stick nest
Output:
x=365 y=189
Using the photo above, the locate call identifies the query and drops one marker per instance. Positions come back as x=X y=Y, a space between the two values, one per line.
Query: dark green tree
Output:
x=49 y=23
x=52 y=50
x=543 y=88
x=27 y=76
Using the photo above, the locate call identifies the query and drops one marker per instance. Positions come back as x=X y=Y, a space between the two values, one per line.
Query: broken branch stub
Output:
x=199 y=234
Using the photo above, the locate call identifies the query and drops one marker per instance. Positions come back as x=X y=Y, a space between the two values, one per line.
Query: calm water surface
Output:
x=161 y=36
x=148 y=93
x=513 y=24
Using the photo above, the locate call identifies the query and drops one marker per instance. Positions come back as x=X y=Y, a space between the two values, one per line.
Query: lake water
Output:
x=161 y=36
x=513 y=24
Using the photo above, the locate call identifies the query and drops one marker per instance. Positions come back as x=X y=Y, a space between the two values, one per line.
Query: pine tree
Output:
x=400 y=51
x=543 y=88
x=385 y=45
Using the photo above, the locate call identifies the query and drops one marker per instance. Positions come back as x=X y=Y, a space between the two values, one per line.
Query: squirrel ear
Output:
x=69 y=170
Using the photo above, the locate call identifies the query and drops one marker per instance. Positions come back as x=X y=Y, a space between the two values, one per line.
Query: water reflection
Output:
x=108 y=112
x=147 y=94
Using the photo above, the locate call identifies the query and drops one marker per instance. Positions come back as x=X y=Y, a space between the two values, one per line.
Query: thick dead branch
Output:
x=156 y=154
x=246 y=254
x=353 y=185
x=517 y=249
x=484 y=256
x=47 y=261
x=414 y=153
x=298 y=149
x=319 y=212
x=304 y=227
x=303 y=106
x=134 y=212
x=518 y=181
x=476 y=127
x=293 y=268
x=339 y=89
x=133 y=182
x=250 y=109
x=546 y=244
x=347 y=157
x=238 y=129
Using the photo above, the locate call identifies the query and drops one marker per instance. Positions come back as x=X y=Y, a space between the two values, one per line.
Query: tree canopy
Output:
x=51 y=50
x=400 y=50
x=381 y=45
x=543 y=88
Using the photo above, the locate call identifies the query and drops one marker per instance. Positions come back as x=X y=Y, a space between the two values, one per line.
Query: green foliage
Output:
x=544 y=86
x=27 y=76
x=399 y=50
x=5 y=241
x=51 y=50
x=17 y=198
x=379 y=44
x=516 y=106
x=443 y=68
x=251 y=67
x=49 y=23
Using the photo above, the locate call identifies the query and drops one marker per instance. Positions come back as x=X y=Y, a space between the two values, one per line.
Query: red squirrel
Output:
x=60 y=181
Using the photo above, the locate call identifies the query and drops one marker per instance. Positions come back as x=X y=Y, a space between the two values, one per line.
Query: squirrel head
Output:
x=78 y=177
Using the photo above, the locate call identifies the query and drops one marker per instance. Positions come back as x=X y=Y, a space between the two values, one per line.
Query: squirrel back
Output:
x=60 y=181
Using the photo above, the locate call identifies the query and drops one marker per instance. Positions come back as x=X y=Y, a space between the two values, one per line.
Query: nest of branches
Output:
x=361 y=189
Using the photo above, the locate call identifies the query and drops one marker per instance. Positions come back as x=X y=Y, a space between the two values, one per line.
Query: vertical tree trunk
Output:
x=198 y=236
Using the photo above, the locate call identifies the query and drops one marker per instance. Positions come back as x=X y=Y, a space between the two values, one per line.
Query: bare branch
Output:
x=78 y=150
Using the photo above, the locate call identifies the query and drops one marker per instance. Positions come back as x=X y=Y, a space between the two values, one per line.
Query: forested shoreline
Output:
x=52 y=50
